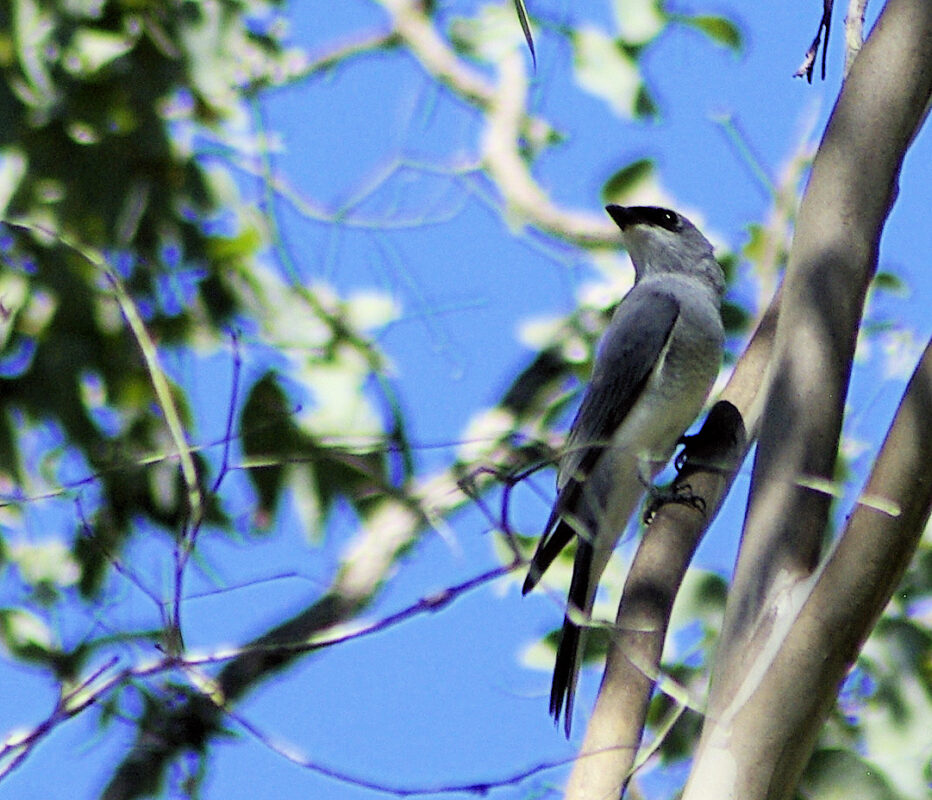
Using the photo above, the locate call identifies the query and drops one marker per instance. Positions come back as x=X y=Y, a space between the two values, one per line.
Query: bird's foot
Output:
x=681 y=493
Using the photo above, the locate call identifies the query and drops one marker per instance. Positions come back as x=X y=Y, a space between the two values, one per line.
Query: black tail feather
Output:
x=559 y=531
x=569 y=651
x=565 y=670
x=547 y=550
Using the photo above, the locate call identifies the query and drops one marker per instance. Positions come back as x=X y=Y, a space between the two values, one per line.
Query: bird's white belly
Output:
x=642 y=446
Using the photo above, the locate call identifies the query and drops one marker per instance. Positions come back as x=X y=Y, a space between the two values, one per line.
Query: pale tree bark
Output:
x=778 y=664
x=761 y=740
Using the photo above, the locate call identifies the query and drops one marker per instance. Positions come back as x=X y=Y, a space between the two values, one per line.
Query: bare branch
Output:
x=231 y=412
x=388 y=531
x=883 y=531
x=157 y=376
x=508 y=123
x=362 y=45
x=523 y=195
x=825 y=23
x=832 y=261
x=106 y=678
x=831 y=618
x=478 y=788
x=854 y=31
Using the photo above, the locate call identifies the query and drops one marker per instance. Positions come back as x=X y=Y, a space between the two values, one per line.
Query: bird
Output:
x=654 y=368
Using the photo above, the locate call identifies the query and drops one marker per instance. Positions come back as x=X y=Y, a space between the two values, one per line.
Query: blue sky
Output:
x=444 y=699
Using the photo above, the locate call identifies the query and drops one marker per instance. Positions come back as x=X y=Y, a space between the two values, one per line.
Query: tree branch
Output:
x=854 y=31
x=832 y=261
x=509 y=125
x=787 y=695
x=370 y=557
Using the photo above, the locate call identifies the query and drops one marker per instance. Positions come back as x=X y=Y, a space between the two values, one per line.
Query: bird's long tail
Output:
x=573 y=637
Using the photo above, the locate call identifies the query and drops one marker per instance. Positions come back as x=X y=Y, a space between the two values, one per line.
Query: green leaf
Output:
x=720 y=30
x=889 y=282
x=269 y=436
x=679 y=741
x=234 y=249
x=735 y=318
x=46 y=566
x=92 y=49
x=640 y=21
x=728 y=261
x=627 y=180
x=644 y=106
x=25 y=635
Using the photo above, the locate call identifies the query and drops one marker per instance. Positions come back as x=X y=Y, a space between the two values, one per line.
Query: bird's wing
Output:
x=627 y=355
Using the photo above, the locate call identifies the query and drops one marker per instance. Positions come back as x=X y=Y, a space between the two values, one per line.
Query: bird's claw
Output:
x=681 y=494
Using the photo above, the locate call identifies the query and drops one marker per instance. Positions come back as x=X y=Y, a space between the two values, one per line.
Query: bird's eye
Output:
x=669 y=220
x=661 y=217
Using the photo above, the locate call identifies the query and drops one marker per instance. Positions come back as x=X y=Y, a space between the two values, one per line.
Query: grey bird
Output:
x=654 y=368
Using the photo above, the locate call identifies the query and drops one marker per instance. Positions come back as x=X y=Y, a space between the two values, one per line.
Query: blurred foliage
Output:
x=105 y=106
x=122 y=125
x=125 y=128
x=99 y=103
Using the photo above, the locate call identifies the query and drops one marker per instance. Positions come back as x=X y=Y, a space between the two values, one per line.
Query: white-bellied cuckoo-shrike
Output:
x=655 y=365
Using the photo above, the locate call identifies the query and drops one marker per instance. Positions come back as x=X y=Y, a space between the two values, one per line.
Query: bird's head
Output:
x=660 y=240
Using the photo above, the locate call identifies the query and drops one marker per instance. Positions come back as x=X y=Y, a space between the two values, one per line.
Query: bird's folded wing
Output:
x=628 y=354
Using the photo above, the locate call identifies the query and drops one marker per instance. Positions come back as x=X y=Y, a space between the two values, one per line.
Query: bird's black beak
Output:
x=623 y=216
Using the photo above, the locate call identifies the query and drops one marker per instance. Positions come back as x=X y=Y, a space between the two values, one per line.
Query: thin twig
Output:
x=231 y=412
x=159 y=381
x=854 y=31
x=805 y=69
